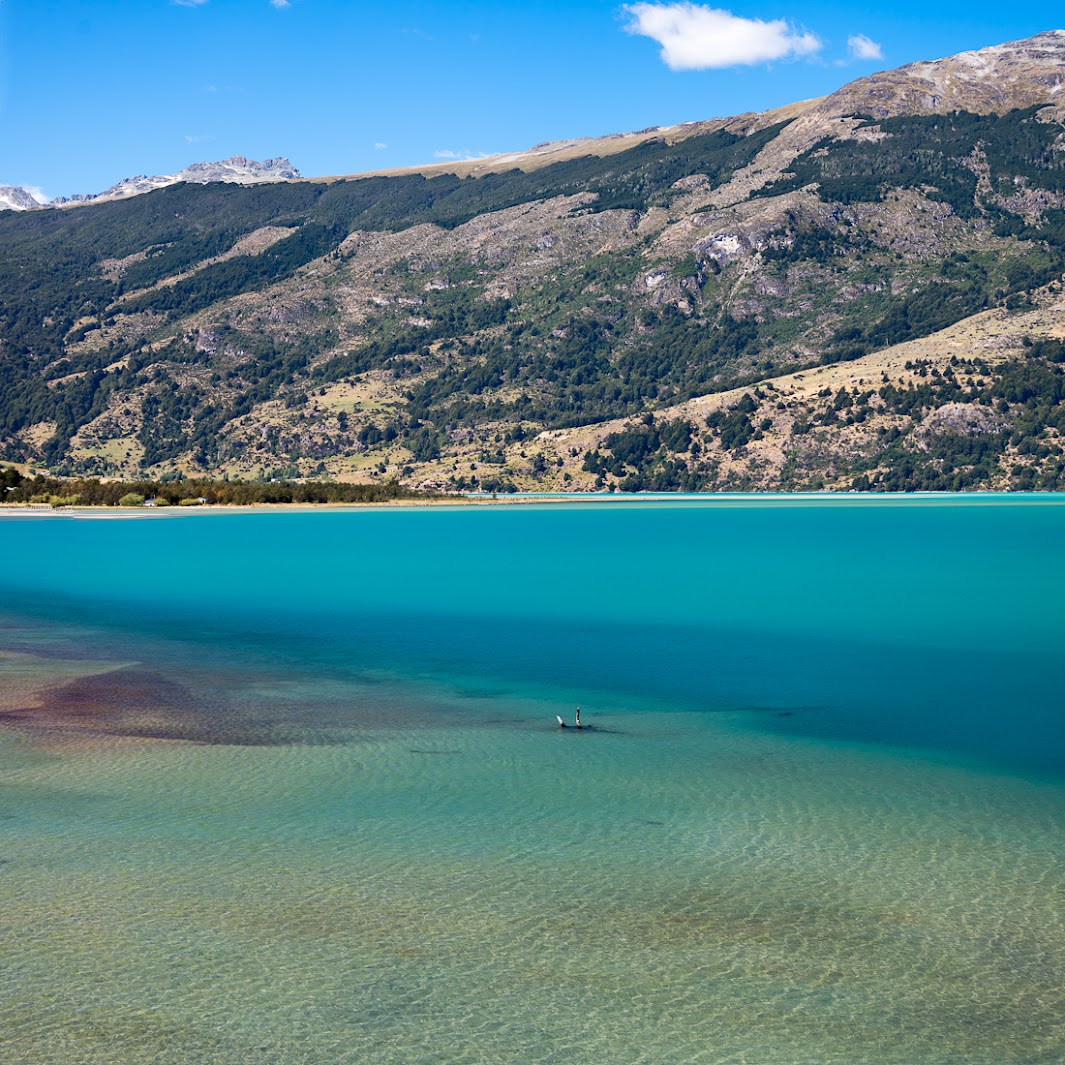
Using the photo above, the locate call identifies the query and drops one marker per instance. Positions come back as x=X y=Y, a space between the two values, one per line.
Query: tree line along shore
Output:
x=18 y=488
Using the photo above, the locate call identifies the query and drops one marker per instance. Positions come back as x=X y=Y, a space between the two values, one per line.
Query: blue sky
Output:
x=92 y=91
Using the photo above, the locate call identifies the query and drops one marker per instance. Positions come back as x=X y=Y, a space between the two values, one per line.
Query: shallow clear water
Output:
x=285 y=787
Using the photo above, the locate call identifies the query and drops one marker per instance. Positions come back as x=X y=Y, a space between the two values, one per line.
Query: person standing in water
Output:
x=578 y=717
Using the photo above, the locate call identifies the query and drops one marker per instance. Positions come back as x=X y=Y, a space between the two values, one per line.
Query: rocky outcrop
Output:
x=241 y=170
x=16 y=198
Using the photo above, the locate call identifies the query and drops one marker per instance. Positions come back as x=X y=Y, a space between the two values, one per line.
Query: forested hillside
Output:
x=567 y=325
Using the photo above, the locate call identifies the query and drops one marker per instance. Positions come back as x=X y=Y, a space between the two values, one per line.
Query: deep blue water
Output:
x=914 y=622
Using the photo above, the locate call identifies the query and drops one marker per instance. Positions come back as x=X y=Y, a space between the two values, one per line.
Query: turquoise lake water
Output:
x=285 y=787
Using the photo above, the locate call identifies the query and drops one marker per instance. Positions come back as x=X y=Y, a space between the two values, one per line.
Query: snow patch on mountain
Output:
x=17 y=198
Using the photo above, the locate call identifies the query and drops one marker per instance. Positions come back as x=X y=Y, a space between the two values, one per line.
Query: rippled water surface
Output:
x=286 y=787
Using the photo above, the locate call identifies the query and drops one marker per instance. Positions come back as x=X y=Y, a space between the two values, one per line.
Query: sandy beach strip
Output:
x=18 y=511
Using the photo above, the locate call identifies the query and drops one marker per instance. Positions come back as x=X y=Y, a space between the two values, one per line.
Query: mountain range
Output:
x=861 y=291
x=236 y=169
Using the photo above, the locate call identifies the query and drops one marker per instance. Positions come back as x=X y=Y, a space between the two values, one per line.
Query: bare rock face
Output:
x=964 y=419
x=240 y=170
x=16 y=198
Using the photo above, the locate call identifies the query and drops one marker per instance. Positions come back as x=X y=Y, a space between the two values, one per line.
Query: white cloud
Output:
x=280 y=4
x=863 y=47
x=189 y=3
x=695 y=37
x=379 y=146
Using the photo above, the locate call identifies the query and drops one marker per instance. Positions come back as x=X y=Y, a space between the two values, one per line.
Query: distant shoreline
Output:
x=23 y=511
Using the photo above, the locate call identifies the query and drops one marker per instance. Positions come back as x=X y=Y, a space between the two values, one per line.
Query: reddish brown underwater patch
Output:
x=134 y=703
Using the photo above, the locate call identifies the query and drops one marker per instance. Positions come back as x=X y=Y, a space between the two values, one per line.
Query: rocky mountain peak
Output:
x=16 y=198
x=237 y=169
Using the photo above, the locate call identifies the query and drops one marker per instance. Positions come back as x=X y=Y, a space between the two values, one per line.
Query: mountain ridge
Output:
x=650 y=310
x=970 y=81
x=236 y=169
